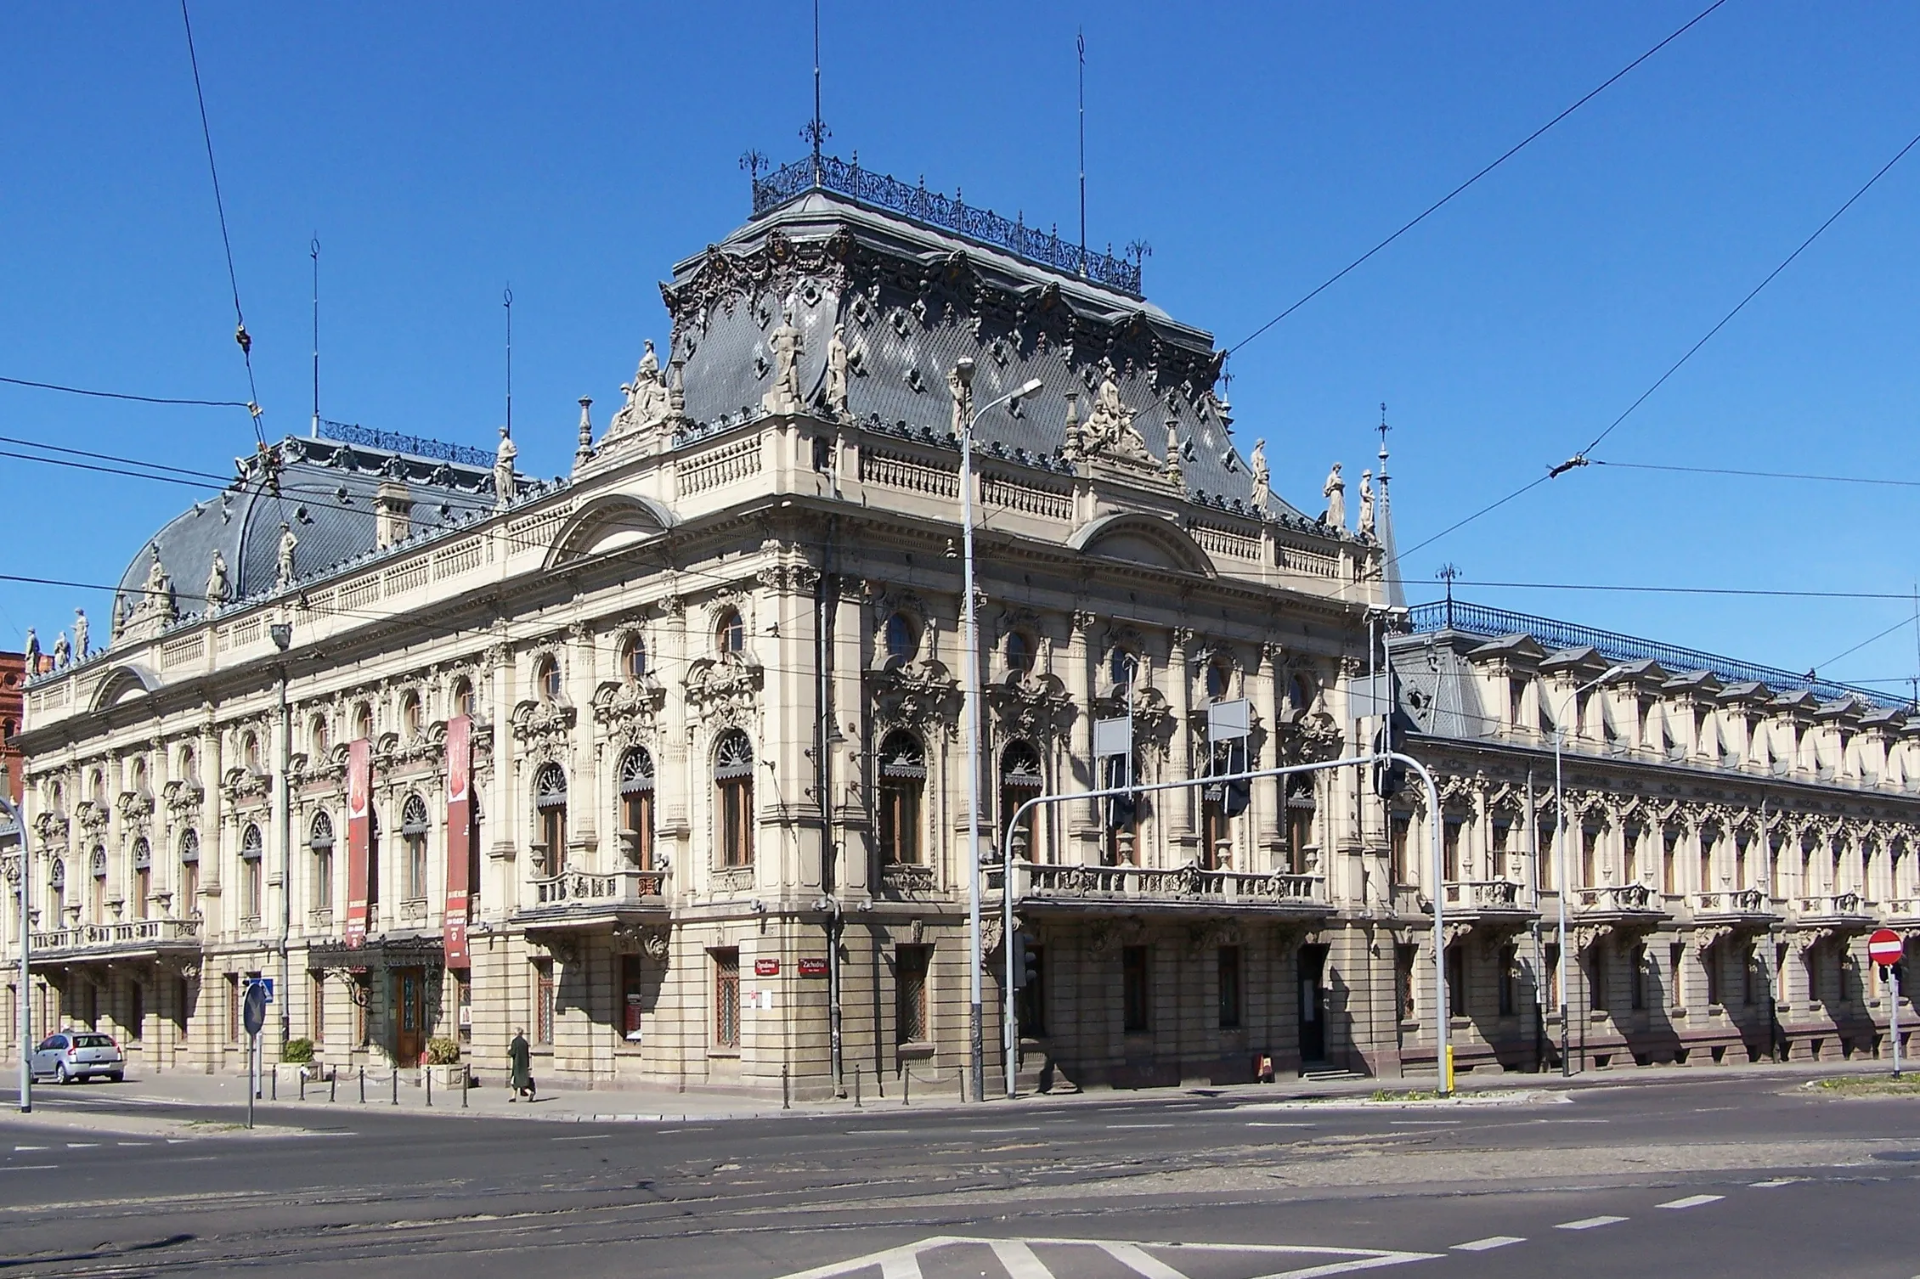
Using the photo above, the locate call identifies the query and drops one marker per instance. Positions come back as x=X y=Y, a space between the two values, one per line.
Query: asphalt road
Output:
x=1708 y=1175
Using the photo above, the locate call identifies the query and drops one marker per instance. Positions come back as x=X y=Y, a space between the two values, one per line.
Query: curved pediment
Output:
x=1143 y=539
x=122 y=684
x=607 y=524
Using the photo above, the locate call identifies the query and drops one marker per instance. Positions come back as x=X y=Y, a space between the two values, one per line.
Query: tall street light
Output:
x=1560 y=847
x=17 y=814
x=961 y=382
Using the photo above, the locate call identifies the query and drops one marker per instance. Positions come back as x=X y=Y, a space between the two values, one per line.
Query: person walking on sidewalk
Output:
x=520 y=1059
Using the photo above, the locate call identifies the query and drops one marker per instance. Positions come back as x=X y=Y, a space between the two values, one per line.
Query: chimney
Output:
x=392 y=513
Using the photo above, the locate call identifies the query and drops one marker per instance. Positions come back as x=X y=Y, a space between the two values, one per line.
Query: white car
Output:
x=78 y=1054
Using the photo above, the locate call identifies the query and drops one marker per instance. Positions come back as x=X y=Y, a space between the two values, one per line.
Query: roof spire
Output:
x=1383 y=524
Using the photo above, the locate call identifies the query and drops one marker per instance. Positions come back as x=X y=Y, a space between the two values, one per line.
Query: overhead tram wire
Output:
x=121 y=395
x=1444 y=200
x=1580 y=459
x=1903 y=622
x=240 y=334
x=1754 y=475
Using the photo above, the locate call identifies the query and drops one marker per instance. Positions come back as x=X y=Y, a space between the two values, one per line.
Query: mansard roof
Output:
x=910 y=300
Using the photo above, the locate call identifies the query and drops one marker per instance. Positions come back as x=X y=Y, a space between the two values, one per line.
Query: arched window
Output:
x=1219 y=680
x=546 y=679
x=733 y=798
x=1020 y=780
x=1122 y=667
x=97 y=787
x=1019 y=654
x=317 y=739
x=730 y=634
x=410 y=715
x=413 y=834
x=187 y=902
x=97 y=902
x=320 y=840
x=550 y=810
x=463 y=702
x=137 y=782
x=56 y=892
x=636 y=807
x=250 y=752
x=142 y=876
x=903 y=783
x=1302 y=693
x=363 y=720
x=633 y=659
x=252 y=847
x=902 y=637
x=56 y=798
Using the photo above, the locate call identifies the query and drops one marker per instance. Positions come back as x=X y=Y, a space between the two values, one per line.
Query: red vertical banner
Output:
x=459 y=837
x=359 y=823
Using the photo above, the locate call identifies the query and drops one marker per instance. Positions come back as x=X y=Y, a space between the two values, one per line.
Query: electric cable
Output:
x=1755 y=475
x=240 y=334
x=122 y=395
x=1437 y=205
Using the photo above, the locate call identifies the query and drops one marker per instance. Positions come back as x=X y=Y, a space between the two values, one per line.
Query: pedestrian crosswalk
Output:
x=1047 y=1258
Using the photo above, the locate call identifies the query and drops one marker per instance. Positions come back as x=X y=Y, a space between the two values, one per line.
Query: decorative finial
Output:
x=584 y=452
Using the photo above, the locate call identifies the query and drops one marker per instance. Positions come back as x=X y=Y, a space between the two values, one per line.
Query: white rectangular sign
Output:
x=1110 y=737
x=1229 y=721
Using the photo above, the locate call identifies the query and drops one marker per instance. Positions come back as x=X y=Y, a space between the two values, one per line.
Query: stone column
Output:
x=1182 y=830
x=1081 y=822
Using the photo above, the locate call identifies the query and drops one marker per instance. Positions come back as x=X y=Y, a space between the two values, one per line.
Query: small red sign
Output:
x=1886 y=947
x=766 y=968
x=813 y=968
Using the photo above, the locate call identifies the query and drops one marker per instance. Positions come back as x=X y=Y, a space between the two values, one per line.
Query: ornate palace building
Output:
x=663 y=762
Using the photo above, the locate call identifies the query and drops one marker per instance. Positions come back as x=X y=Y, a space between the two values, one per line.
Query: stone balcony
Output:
x=578 y=900
x=1484 y=906
x=1903 y=912
x=132 y=941
x=1833 y=912
x=1140 y=890
x=1738 y=907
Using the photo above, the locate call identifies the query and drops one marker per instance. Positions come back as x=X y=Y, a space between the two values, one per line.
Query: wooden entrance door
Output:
x=409 y=1015
x=1313 y=1004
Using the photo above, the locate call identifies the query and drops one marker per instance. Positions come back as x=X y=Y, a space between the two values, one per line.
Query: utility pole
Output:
x=16 y=813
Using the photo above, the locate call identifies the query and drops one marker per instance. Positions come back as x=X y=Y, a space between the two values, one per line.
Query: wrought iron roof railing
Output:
x=1494 y=623
x=395 y=442
x=945 y=213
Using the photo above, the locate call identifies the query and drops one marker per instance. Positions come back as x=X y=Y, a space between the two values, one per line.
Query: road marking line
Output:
x=1113 y=1126
x=81 y=1145
x=1019 y=1260
x=1488 y=1244
x=18 y=1149
x=598 y=1136
x=30 y=1168
x=1588 y=1223
x=1778 y=1182
x=1138 y=1260
x=1422 y=1123
x=1269 y=1123
x=1691 y=1201
x=133 y=1143
x=882 y=1132
x=1015 y=1128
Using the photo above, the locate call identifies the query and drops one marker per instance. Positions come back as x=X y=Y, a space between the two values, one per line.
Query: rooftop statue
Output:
x=1109 y=427
x=33 y=652
x=80 y=633
x=1335 y=490
x=1366 y=503
x=784 y=395
x=647 y=399
x=62 y=655
x=503 y=469
x=218 y=588
x=837 y=372
x=289 y=542
x=1262 y=477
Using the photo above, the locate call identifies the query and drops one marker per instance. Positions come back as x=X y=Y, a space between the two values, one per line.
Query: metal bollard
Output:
x=333 y=1083
x=396 y=1085
x=786 y=1090
x=429 y=1074
x=466 y=1081
x=363 y=1083
x=303 y=1085
x=962 y=1072
x=906 y=1086
x=856 y=1088
x=274 y=1087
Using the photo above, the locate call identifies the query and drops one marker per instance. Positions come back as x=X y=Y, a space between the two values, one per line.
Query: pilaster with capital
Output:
x=583 y=779
x=1080 y=821
x=1182 y=830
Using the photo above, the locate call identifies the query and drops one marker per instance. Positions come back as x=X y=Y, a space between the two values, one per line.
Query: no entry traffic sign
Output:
x=1886 y=947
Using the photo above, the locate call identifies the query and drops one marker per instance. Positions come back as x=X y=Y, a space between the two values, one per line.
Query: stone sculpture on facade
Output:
x=289 y=542
x=1109 y=427
x=1175 y=472
x=1366 y=503
x=80 y=633
x=1262 y=476
x=33 y=652
x=784 y=395
x=218 y=588
x=1335 y=490
x=648 y=401
x=156 y=595
x=837 y=372
x=62 y=655
x=503 y=469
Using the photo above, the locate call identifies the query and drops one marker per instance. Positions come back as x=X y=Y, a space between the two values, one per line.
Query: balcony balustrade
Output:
x=1732 y=906
x=123 y=940
x=1833 y=910
x=1141 y=888
x=586 y=899
x=1465 y=897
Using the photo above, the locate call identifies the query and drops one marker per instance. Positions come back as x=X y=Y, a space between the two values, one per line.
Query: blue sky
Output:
x=578 y=151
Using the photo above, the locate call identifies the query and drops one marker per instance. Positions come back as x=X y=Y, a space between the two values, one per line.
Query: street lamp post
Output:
x=1560 y=850
x=962 y=385
x=16 y=814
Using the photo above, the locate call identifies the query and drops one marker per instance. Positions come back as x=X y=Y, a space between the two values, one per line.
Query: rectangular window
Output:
x=632 y=997
x=1630 y=868
x=1516 y=700
x=323 y=879
x=726 y=1000
x=1669 y=862
x=553 y=839
x=1032 y=1007
x=236 y=1029
x=1545 y=870
x=1710 y=960
x=1509 y=981
x=189 y=890
x=1399 y=831
x=1228 y=966
x=1551 y=960
x=1216 y=837
x=1299 y=838
x=1589 y=842
x=1456 y=980
x=317 y=1006
x=362 y=1010
x=736 y=821
x=1638 y=995
x=1404 y=959
x=142 y=886
x=416 y=866
x=1450 y=848
x=900 y=820
x=1502 y=837
x=543 y=1001
x=1675 y=991
x=1705 y=884
x=1597 y=975
x=463 y=1002
x=1136 y=990
x=637 y=812
x=1740 y=863
x=136 y=1012
x=1749 y=977
x=910 y=994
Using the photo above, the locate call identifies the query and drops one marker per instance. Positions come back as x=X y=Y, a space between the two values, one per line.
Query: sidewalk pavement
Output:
x=645 y=1104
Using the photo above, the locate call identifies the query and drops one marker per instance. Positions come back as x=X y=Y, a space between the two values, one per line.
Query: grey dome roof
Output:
x=324 y=492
